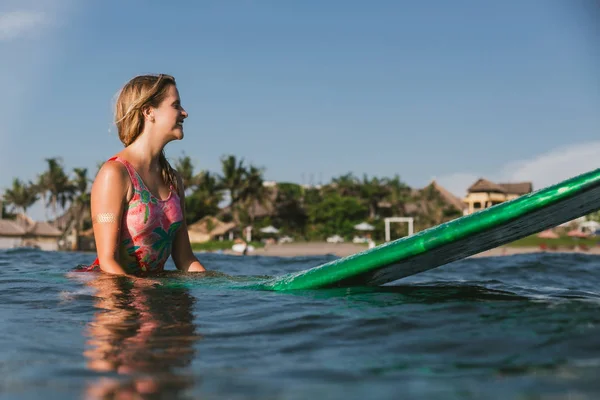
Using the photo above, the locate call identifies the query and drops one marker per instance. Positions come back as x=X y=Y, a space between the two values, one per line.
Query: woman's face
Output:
x=169 y=115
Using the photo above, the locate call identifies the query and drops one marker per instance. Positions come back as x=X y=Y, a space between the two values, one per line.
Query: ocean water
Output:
x=512 y=327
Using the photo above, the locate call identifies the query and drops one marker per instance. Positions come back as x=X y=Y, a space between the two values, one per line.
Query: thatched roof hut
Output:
x=11 y=228
x=43 y=229
x=519 y=188
x=451 y=199
x=422 y=206
x=484 y=185
x=37 y=228
x=208 y=228
x=23 y=231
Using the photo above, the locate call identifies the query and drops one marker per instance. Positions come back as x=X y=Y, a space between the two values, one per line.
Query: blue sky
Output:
x=451 y=90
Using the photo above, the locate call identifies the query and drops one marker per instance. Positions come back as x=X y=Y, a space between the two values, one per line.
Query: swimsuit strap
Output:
x=136 y=179
x=137 y=182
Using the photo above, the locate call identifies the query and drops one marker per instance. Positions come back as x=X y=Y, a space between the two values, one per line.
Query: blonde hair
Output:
x=138 y=93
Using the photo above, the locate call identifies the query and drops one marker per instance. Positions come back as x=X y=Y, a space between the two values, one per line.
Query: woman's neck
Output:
x=145 y=153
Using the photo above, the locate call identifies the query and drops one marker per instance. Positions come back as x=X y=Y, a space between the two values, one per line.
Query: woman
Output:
x=137 y=199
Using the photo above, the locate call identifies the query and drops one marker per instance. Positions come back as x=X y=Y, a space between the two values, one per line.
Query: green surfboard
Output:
x=454 y=240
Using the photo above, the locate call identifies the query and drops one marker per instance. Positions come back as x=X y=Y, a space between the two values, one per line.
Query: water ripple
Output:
x=499 y=327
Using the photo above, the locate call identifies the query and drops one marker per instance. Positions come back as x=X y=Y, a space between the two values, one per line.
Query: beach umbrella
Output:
x=363 y=226
x=269 y=229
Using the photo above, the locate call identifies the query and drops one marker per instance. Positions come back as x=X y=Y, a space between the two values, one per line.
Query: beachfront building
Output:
x=24 y=232
x=484 y=193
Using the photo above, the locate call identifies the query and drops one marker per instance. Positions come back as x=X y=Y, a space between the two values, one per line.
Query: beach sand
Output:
x=346 y=249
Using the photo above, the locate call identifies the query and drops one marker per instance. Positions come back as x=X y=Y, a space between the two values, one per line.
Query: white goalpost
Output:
x=410 y=221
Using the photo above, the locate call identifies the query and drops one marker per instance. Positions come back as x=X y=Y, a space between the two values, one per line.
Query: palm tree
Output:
x=185 y=167
x=290 y=210
x=55 y=186
x=205 y=198
x=372 y=192
x=232 y=180
x=81 y=196
x=20 y=196
x=346 y=185
x=254 y=191
x=399 y=193
x=4 y=212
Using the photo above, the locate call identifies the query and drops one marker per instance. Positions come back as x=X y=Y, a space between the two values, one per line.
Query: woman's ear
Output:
x=148 y=113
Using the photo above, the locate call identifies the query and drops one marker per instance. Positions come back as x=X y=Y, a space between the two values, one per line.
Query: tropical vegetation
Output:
x=237 y=193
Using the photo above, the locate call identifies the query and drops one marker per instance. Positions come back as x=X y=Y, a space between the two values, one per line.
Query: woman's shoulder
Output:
x=113 y=173
x=113 y=167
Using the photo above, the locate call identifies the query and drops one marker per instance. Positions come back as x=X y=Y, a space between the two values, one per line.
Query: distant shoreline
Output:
x=347 y=249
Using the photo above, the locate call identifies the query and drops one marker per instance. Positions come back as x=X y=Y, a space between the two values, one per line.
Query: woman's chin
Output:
x=177 y=134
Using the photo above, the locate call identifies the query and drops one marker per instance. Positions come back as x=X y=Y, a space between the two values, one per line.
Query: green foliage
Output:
x=185 y=168
x=595 y=216
x=54 y=186
x=20 y=196
x=290 y=215
x=4 y=214
x=304 y=213
x=198 y=205
x=290 y=190
x=335 y=214
x=372 y=191
x=204 y=199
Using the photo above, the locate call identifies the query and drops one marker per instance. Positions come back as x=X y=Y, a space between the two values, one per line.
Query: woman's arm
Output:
x=182 y=253
x=108 y=197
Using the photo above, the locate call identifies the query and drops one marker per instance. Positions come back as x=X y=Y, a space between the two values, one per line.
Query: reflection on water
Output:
x=141 y=338
x=521 y=327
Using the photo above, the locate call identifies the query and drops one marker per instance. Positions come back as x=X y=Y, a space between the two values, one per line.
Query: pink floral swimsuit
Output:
x=148 y=228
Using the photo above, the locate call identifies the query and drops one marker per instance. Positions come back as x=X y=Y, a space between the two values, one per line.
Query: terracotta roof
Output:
x=10 y=228
x=483 y=185
x=519 y=188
